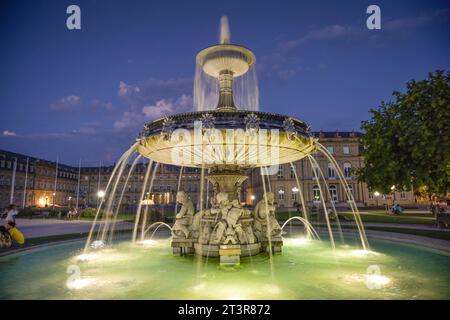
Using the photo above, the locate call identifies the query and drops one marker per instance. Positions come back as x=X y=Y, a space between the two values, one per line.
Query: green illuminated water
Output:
x=303 y=271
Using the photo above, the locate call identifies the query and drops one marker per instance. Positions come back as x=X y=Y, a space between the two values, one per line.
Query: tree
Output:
x=407 y=141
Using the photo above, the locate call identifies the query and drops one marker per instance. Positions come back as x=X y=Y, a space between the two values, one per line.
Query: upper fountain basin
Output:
x=230 y=57
x=246 y=139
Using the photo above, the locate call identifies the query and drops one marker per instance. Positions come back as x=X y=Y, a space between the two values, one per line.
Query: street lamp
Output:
x=46 y=201
x=70 y=198
x=294 y=192
x=53 y=199
x=393 y=192
x=100 y=196
x=100 y=193
x=376 y=194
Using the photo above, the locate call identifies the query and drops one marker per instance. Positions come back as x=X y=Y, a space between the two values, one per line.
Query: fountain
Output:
x=227 y=141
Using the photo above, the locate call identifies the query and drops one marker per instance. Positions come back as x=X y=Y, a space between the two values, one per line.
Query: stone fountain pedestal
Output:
x=182 y=246
x=230 y=254
x=277 y=245
x=227 y=230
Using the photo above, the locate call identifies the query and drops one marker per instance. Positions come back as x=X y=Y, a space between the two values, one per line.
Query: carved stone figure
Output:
x=229 y=225
x=184 y=217
x=265 y=218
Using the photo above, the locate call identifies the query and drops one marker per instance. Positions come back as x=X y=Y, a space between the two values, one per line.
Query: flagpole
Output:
x=13 y=182
x=99 y=176
x=78 y=185
x=25 y=185
x=56 y=180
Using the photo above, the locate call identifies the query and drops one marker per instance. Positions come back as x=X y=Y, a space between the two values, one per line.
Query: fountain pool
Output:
x=305 y=270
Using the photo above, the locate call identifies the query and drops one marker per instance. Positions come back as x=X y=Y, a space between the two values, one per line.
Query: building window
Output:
x=333 y=193
x=293 y=168
x=330 y=149
x=294 y=194
x=346 y=150
x=403 y=195
x=281 y=194
x=370 y=195
x=350 y=191
x=347 y=170
x=331 y=171
x=315 y=171
x=280 y=171
x=316 y=193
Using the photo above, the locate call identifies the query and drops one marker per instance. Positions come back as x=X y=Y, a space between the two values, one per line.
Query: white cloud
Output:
x=325 y=33
x=417 y=21
x=68 y=103
x=152 y=99
x=97 y=105
x=152 y=90
x=8 y=133
x=154 y=111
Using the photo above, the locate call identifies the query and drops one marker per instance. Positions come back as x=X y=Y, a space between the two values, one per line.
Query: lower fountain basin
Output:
x=305 y=270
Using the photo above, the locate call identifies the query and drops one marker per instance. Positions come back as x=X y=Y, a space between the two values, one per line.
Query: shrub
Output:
x=88 y=213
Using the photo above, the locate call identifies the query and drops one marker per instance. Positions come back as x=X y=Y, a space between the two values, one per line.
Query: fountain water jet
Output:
x=225 y=143
x=311 y=233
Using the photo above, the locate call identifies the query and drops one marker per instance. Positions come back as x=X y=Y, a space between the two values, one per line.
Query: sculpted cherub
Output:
x=265 y=217
x=184 y=217
x=229 y=223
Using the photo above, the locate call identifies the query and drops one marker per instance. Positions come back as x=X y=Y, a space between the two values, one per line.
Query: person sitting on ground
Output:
x=73 y=214
x=15 y=234
x=12 y=213
x=5 y=238
x=396 y=209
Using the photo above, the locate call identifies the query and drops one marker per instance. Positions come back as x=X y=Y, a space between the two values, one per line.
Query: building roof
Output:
x=338 y=134
x=11 y=156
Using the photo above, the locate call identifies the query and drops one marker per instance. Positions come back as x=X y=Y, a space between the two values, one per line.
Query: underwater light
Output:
x=362 y=253
x=79 y=283
x=298 y=241
x=98 y=244
x=377 y=280
x=148 y=242
x=86 y=257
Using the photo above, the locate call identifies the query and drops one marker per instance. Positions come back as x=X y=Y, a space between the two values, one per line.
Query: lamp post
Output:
x=53 y=200
x=252 y=198
x=376 y=195
x=393 y=193
x=46 y=201
x=294 y=192
x=70 y=198
x=100 y=196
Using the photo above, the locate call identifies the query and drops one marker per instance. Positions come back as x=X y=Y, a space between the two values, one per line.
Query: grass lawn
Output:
x=370 y=218
x=417 y=213
x=391 y=219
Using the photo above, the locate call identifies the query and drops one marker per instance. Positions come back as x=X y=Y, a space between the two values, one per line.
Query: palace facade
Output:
x=28 y=181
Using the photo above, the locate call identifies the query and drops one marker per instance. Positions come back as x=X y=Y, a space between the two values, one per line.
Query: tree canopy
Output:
x=407 y=140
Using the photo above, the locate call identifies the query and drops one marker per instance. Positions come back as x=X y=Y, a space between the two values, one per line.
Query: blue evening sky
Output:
x=86 y=93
